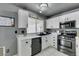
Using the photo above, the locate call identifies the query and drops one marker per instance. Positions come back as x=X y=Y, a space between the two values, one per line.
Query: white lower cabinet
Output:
x=45 y=42
x=53 y=40
x=24 y=47
x=49 y=40
x=28 y=45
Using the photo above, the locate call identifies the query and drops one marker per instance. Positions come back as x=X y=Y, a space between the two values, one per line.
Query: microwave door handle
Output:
x=70 y=24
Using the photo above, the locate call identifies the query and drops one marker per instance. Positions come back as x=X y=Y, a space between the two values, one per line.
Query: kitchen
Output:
x=31 y=30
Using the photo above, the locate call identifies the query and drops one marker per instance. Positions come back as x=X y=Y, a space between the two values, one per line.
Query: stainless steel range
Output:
x=66 y=42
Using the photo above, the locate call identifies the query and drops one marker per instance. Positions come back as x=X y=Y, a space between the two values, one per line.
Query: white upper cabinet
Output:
x=67 y=17
x=48 y=23
x=22 y=18
x=70 y=17
x=53 y=22
x=31 y=25
x=40 y=25
x=75 y=16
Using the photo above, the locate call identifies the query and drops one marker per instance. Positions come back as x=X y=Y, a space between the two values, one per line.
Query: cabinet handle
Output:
x=53 y=45
x=26 y=42
x=53 y=42
x=53 y=37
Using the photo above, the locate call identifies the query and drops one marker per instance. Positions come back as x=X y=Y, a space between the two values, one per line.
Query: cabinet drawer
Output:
x=26 y=42
x=54 y=40
x=53 y=37
x=53 y=45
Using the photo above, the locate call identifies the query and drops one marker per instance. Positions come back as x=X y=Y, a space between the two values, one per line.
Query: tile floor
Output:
x=50 y=52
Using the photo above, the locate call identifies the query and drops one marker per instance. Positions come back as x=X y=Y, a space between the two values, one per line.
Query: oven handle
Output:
x=66 y=46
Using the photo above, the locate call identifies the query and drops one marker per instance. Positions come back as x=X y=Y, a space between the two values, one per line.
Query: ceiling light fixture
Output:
x=40 y=11
x=43 y=7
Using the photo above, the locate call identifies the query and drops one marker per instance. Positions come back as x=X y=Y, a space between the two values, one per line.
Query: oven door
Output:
x=67 y=47
x=66 y=43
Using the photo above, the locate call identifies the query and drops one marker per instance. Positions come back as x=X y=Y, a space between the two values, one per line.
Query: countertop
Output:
x=28 y=36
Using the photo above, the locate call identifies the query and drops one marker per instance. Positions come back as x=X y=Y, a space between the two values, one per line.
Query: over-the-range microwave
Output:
x=68 y=24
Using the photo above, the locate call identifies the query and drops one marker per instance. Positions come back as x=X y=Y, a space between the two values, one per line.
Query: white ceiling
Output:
x=54 y=8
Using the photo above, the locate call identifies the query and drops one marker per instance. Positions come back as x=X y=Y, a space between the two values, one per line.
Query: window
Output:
x=6 y=21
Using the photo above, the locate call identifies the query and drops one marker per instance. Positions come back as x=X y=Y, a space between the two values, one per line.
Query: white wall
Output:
x=7 y=35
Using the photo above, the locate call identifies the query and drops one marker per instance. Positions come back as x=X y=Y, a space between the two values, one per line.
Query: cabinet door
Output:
x=76 y=18
x=22 y=18
x=49 y=40
x=49 y=23
x=56 y=22
x=53 y=22
x=40 y=25
x=31 y=25
x=26 y=47
x=44 y=43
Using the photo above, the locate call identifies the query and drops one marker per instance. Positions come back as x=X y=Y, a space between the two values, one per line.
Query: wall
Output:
x=7 y=35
